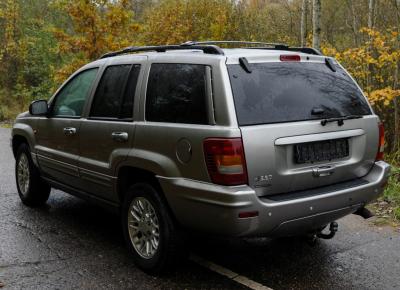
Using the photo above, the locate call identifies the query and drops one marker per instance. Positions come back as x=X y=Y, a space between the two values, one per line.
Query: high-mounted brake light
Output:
x=225 y=160
x=289 y=57
x=381 y=145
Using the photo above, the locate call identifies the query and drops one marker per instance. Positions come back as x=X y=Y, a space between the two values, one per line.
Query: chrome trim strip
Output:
x=319 y=137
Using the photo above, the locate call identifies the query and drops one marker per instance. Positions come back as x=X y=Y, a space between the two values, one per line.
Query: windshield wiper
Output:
x=340 y=120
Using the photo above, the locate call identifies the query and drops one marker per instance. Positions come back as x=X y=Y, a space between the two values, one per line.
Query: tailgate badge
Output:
x=263 y=180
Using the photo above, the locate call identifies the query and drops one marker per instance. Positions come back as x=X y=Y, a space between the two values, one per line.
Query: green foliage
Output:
x=28 y=56
x=397 y=213
x=392 y=192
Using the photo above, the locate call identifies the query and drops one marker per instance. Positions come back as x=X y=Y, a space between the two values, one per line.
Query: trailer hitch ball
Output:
x=333 y=227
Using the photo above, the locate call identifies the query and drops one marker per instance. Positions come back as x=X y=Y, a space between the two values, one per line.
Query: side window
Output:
x=115 y=92
x=176 y=93
x=70 y=100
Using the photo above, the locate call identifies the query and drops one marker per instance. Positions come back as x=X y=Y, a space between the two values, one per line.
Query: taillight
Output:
x=225 y=160
x=289 y=57
x=381 y=145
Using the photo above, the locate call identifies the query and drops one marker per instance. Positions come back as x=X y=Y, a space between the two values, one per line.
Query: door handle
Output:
x=69 y=131
x=120 y=136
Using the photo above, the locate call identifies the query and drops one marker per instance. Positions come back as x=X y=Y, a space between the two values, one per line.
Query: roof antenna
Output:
x=245 y=64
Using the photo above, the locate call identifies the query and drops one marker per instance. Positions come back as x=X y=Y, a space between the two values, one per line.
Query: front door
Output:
x=106 y=136
x=58 y=134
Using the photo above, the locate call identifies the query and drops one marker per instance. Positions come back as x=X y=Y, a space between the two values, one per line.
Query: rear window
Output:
x=287 y=92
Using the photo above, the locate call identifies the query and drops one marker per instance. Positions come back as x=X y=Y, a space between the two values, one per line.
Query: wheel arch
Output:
x=129 y=175
x=22 y=133
x=17 y=140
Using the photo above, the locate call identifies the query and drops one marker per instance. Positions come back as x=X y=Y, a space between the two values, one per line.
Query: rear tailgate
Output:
x=270 y=154
x=280 y=106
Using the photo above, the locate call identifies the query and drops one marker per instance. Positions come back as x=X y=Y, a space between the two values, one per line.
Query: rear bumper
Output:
x=215 y=209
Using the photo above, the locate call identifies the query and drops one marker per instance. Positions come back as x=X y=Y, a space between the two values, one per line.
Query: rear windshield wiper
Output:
x=340 y=120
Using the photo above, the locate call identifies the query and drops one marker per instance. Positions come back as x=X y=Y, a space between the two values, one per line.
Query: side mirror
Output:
x=38 y=108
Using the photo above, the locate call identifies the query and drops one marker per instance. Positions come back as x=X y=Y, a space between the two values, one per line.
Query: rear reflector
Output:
x=381 y=145
x=225 y=160
x=289 y=57
x=248 y=214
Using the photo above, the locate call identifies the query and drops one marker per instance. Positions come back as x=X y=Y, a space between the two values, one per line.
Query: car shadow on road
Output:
x=89 y=239
x=73 y=228
x=279 y=263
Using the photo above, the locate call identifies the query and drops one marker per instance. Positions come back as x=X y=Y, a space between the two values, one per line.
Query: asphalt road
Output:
x=73 y=244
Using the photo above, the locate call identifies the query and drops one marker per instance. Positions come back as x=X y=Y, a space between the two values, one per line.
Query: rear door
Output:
x=107 y=134
x=58 y=134
x=280 y=106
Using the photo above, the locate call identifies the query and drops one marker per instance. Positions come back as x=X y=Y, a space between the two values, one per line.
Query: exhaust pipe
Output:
x=333 y=227
x=364 y=212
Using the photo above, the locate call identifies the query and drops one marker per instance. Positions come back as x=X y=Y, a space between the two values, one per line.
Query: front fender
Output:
x=26 y=131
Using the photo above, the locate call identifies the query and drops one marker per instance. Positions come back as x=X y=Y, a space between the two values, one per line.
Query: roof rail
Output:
x=209 y=49
x=208 y=42
x=260 y=45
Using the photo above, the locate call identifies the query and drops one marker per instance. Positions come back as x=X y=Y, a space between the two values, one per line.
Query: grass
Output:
x=8 y=113
x=387 y=207
x=5 y=125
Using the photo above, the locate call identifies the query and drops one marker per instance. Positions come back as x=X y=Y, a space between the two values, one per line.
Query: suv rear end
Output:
x=308 y=151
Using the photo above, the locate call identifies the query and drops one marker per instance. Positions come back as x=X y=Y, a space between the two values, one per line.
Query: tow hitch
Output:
x=312 y=238
x=333 y=227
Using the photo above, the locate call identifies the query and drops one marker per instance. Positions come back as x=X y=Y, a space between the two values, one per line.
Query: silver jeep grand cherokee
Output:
x=263 y=140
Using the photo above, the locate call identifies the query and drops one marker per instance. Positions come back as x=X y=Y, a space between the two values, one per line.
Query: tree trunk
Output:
x=371 y=14
x=396 y=101
x=371 y=24
x=354 y=24
x=317 y=24
x=303 y=32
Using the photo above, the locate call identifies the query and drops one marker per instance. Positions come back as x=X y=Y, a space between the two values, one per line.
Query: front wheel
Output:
x=32 y=189
x=149 y=231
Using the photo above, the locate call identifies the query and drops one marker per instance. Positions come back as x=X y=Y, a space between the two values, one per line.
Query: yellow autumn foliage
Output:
x=385 y=95
x=373 y=64
x=98 y=26
x=177 y=21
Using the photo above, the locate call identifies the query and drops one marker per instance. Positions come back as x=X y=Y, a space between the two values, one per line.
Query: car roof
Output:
x=231 y=56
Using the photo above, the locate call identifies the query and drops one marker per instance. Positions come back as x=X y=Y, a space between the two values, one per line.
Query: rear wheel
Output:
x=32 y=189
x=150 y=233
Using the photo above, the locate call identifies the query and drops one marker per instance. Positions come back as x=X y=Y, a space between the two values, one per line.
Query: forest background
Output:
x=44 y=41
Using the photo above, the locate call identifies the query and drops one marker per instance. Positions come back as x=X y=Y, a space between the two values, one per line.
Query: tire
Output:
x=165 y=243
x=32 y=189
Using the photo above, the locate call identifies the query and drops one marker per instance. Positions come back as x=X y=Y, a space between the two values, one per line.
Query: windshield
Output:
x=293 y=91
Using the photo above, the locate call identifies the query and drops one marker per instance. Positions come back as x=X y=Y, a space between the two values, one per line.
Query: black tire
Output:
x=37 y=191
x=171 y=248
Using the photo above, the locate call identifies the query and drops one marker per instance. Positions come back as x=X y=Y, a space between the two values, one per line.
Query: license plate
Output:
x=321 y=151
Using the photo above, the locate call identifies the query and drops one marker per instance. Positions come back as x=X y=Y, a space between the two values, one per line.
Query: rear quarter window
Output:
x=176 y=93
x=289 y=91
